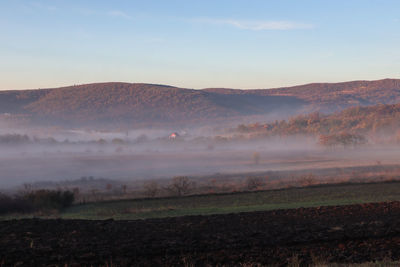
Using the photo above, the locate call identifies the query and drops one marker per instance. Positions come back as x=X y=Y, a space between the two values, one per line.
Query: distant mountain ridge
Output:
x=145 y=104
x=330 y=97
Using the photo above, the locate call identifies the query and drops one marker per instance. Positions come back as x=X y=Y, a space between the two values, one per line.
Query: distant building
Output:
x=173 y=136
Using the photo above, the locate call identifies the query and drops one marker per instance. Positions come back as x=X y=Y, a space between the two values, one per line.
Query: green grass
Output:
x=233 y=203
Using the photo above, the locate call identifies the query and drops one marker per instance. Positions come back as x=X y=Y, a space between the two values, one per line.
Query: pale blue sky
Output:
x=197 y=44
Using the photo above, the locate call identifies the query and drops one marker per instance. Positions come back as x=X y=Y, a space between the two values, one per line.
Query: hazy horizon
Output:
x=173 y=85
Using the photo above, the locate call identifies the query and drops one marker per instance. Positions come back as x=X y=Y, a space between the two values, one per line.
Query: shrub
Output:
x=180 y=185
x=308 y=180
x=14 y=205
x=36 y=200
x=151 y=189
x=50 y=199
x=254 y=183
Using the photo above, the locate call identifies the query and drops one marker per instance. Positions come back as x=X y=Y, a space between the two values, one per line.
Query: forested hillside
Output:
x=380 y=122
x=134 y=105
x=138 y=104
x=330 y=97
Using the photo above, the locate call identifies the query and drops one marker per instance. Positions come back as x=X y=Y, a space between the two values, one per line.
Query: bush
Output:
x=180 y=185
x=35 y=201
x=308 y=180
x=254 y=183
x=50 y=199
x=14 y=205
x=151 y=189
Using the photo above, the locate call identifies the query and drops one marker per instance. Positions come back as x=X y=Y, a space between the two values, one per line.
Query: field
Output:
x=321 y=195
x=348 y=223
x=237 y=202
x=337 y=234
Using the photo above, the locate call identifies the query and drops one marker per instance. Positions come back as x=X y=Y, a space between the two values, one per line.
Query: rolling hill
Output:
x=331 y=97
x=137 y=104
x=355 y=125
x=132 y=105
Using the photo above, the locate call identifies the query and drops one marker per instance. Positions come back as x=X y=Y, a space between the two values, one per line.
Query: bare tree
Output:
x=254 y=183
x=308 y=180
x=108 y=187
x=75 y=190
x=28 y=188
x=180 y=185
x=124 y=187
x=151 y=188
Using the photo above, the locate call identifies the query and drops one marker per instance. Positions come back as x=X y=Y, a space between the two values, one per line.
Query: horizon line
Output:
x=213 y=87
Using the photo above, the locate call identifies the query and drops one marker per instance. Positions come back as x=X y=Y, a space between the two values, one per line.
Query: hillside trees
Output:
x=343 y=139
x=347 y=128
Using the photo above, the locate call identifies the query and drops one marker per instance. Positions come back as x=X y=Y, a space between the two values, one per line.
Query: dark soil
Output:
x=341 y=234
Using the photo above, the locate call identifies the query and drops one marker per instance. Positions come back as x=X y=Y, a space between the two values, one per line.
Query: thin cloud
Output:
x=259 y=25
x=119 y=14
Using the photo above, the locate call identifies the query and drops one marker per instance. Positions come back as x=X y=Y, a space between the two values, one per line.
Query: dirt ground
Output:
x=341 y=234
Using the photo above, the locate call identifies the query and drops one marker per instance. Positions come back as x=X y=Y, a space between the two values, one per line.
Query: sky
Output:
x=197 y=44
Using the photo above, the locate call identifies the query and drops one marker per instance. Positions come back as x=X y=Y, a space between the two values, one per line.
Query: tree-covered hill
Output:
x=379 y=122
x=131 y=104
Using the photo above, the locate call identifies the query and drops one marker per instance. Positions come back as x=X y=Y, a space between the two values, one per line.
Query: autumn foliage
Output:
x=352 y=126
x=133 y=104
